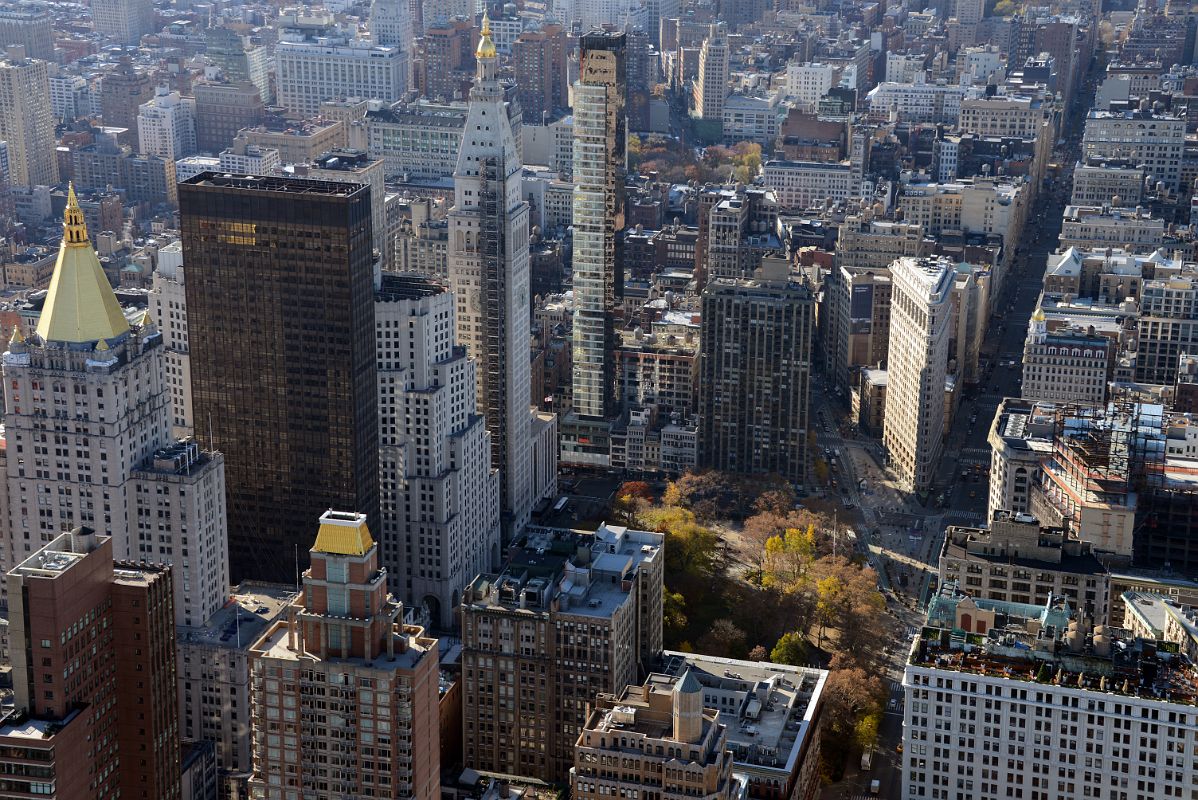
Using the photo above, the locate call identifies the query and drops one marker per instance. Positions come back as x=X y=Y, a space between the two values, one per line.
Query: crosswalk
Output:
x=976 y=452
x=964 y=516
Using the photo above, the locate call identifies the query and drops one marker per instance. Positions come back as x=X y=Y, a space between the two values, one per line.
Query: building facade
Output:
x=296 y=255
x=439 y=491
x=917 y=359
x=26 y=120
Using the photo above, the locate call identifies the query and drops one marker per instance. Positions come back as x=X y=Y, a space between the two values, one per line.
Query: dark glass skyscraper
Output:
x=280 y=304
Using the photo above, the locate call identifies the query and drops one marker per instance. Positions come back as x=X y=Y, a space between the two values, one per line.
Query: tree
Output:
x=710 y=494
x=778 y=497
x=631 y=499
x=758 y=653
x=790 y=649
x=788 y=558
x=829 y=593
x=724 y=640
x=673 y=606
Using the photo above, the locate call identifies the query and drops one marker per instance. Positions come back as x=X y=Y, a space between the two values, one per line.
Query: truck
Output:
x=867 y=759
x=875 y=786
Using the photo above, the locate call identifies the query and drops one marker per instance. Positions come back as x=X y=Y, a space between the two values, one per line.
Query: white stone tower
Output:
x=488 y=274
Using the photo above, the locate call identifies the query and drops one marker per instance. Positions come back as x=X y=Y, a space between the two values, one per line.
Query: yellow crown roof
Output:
x=343 y=534
x=80 y=306
x=486 y=47
x=1038 y=315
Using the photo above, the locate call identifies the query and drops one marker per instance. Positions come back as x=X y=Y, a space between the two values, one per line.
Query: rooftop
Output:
x=1049 y=644
x=251 y=608
x=767 y=708
x=274 y=644
x=271 y=183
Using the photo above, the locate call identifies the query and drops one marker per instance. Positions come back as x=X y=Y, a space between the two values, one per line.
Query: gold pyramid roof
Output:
x=344 y=534
x=80 y=306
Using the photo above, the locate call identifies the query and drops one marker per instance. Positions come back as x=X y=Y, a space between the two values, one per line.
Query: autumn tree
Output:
x=631 y=499
x=790 y=649
x=724 y=640
x=851 y=697
x=788 y=558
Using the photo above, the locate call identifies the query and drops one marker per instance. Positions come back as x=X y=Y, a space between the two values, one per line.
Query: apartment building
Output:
x=1066 y=364
x=1153 y=141
x=571 y=615
x=1020 y=438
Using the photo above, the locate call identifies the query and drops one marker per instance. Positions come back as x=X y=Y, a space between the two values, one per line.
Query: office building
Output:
x=571 y=615
x=123 y=21
x=222 y=110
x=280 y=303
x=123 y=91
x=439 y=491
x=1072 y=689
x=659 y=733
x=1016 y=558
x=415 y=142
x=375 y=732
x=599 y=156
x=856 y=328
x=31 y=26
x=1065 y=365
x=93 y=671
x=711 y=85
x=317 y=60
x=917 y=102
x=488 y=275
x=917 y=361
x=116 y=468
x=1167 y=326
x=391 y=24
x=166 y=125
x=539 y=58
x=1153 y=141
x=807 y=83
x=26 y=120
x=240 y=59
x=214 y=675
x=1107 y=182
x=1020 y=438
x=800 y=185
x=755 y=373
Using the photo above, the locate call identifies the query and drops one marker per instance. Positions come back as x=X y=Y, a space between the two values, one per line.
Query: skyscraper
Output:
x=488 y=274
x=93 y=670
x=391 y=24
x=122 y=93
x=539 y=58
x=123 y=21
x=280 y=302
x=91 y=389
x=711 y=85
x=26 y=120
x=600 y=157
x=166 y=125
x=917 y=361
x=754 y=374
x=31 y=26
x=374 y=732
x=439 y=492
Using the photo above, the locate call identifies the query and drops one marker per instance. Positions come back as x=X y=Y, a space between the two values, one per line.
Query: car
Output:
x=973 y=493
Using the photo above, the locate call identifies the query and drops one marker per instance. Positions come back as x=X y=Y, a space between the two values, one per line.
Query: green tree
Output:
x=790 y=649
x=673 y=607
x=788 y=558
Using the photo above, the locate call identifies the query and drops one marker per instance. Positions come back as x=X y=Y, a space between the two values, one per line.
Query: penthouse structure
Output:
x=571 y=615
x=659 y=733
x=1073 y=690
x=1018 y=559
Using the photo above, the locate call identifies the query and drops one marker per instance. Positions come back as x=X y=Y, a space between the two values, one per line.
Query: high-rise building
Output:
x=448 y=58
x=93 y=672
x=1066 y=365
x=600 y=156
x=122 y=93
x=123 y=21
x=917 y=363
x=1047 y=671
x=488 y=274
x=1168 y=325
x=168 y=307
x=116 y=467
x=280 y=303
x=439 y=492
x=755 y=373
x=375 y=732
x=539 y=58
x=661 y=735
x=222 y=110
x=570 y=616
x=711 y=85
x=318 y=60
x=166 y=125
x=240 y=59
x=31 y=26
x=26 y=120
x=391 y=24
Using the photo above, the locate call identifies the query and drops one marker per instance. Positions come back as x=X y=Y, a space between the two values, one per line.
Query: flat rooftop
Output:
x=275 y=645
x=272 y=183
x=251 y=608
x=768 y=708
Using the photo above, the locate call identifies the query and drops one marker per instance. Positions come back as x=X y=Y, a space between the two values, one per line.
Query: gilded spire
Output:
x=17 y=336
x=74 y=227
x=486 y=47
x=80 y=306
x=1038 y=315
